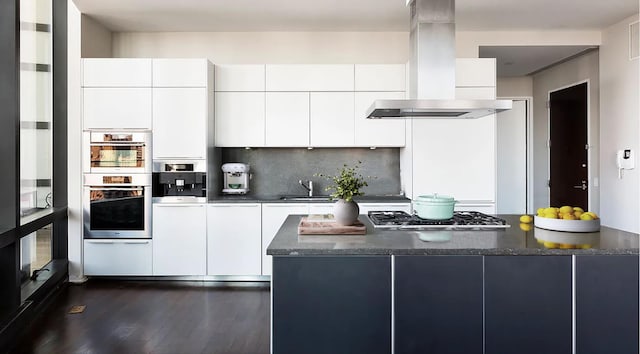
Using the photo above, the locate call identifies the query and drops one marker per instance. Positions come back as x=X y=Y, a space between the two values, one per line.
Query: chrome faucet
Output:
x=309 y=188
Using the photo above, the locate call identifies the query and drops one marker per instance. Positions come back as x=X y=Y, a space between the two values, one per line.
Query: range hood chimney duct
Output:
x=432 y=66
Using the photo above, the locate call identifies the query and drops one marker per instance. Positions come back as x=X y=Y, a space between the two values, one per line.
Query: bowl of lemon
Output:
x=567 y=218
x=566 y=240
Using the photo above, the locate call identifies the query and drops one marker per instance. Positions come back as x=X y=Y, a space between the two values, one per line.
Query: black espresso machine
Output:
x=184 y=178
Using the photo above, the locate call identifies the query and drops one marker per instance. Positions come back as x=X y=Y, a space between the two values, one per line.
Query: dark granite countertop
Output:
x=325 y=199
x=511 y=241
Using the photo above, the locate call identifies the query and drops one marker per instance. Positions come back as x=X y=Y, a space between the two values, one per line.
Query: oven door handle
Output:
x=118 y=144
x=117 y=189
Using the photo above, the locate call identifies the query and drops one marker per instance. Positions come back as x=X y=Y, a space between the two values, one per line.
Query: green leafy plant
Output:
x=347 y=183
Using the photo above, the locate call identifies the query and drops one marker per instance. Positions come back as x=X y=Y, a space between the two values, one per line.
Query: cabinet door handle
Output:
x=179 y=205
x=104 y=242
x=136 y=242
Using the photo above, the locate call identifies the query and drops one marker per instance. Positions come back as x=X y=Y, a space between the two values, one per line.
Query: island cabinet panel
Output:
x=438 y=304
x=528 y=304
x=331 y=304
x=607 y=304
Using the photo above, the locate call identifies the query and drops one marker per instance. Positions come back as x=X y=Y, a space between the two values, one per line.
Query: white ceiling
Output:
x=524 y=60
x=347 y=15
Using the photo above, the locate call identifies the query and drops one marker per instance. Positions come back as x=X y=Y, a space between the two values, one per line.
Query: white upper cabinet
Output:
x=287 y=119
x=180 y=72
x=473 y=72
x=382 y=77
x=240 y=78
x=121 y=108
x=180 y=123
x=332 y=121
x=310 y=77
x=109 y=72
x=377 y=132
x=240 y=119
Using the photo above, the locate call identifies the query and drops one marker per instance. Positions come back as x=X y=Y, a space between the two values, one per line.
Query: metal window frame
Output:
x=16 y=315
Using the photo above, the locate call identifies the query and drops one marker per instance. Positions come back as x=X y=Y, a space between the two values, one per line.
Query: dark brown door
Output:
x=568 y=181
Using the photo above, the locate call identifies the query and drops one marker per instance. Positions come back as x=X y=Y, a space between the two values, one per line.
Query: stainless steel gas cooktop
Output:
x=461 y=220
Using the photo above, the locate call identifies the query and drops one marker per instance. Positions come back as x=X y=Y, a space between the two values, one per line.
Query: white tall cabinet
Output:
x=116 y=93
x=458 y=157
x=182 y=108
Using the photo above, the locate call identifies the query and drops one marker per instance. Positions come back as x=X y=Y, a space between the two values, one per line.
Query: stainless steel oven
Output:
x=107 y=151
x=117 y=205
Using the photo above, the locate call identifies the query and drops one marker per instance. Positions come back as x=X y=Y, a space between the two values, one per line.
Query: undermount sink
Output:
x=304 y=197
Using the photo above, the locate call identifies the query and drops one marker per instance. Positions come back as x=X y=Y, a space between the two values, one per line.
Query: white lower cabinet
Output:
x=234 y=239
x=486 y=208
x=118 y=257
x=365 y=208
x=321 y=208
x=273 y=215
x=179 y=239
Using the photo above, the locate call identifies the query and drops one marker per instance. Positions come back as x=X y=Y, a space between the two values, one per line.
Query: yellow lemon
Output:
x=551 y=215
x=566 y=246
x=566 y=209
x=526 y=219
x=585 y=246
x=550 y=210
x=540 y=241
x=525 y=227
x=586 y=216
x=578 y=209
x=592 y=214
x=568 y=217
x=540 y=212
x=577 y=214
x=548 y=244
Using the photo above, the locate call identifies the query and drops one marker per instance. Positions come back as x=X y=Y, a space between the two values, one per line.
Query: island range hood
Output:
x=432 y=68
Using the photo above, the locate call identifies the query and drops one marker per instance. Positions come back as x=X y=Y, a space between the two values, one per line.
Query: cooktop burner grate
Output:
x=461 y=219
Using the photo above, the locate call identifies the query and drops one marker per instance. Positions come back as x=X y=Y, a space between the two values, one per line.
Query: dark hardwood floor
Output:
x=153 y=317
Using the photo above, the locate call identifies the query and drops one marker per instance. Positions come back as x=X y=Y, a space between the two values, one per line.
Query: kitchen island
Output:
x=473 y=291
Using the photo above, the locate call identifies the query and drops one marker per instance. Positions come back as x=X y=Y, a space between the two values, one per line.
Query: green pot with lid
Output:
x=434 y=207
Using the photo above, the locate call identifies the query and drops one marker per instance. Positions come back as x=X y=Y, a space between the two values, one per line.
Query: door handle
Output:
x=583 y=186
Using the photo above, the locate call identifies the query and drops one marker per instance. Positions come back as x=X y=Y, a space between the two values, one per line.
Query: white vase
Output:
x=346 y=213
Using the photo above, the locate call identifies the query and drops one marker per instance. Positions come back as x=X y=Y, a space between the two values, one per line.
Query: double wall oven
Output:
x=117 y=184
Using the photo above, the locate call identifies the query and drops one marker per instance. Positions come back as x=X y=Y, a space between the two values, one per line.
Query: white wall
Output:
x=521 y=86
x=619 y=128
x=267 y=47
x=96 y=39
x=584 y=67
x=74 y=128
x=467 y=42
x=320 y=47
